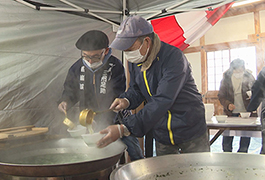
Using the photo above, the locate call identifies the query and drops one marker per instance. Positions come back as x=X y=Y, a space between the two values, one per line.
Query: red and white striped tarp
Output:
x=181 y=30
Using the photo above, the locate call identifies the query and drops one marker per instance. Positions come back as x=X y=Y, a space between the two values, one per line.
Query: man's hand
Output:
x=119 y=104
x=112 y=134
x=62 y=107
x=231 y=107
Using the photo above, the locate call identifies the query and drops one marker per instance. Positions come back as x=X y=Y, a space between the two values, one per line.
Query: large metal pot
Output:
x=194 y=166
x=58 y=158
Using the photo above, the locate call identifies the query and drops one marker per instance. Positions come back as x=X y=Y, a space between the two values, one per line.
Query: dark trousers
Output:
x=228 y=142
x=200 y=144
x=133 y=147
x=262 y=120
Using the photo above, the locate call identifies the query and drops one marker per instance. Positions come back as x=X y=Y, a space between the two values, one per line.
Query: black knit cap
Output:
x=92 y=40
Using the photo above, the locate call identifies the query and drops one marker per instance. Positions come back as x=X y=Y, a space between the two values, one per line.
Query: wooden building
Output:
x=241 y=26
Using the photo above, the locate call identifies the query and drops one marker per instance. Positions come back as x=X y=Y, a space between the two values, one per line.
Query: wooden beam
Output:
x=192 y=49
x=249 y=8
x=221 y=46
x=260 y=57
x=256 y=37
x=257 y=22
x=259 y=46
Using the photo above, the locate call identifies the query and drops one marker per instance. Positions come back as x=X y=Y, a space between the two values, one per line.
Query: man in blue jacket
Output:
x=160 y=75
x=95 y=80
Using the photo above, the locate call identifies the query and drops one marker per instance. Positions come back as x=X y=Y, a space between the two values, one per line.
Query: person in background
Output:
x=95 y=80
x=258 y=96
x=160 y=75
x=236 y=82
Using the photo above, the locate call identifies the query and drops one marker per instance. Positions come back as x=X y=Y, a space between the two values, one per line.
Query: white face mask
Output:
x=94 y=65
x=99 y=60
x=135 y=56
x=238 y=75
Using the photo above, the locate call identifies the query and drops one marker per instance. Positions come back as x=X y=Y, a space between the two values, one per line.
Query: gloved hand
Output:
x=119 y=104
x=112 y=134
x=62 y=107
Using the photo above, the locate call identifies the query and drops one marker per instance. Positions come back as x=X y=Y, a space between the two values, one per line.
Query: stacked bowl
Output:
x=209 y=111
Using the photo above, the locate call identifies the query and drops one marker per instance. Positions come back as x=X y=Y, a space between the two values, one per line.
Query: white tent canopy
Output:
x=37 y=47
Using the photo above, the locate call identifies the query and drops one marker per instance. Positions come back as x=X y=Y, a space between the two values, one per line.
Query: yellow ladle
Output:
x=68 y=122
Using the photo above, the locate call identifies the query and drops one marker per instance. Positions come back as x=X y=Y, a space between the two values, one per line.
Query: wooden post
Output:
x=259 y=44
x=203 y=66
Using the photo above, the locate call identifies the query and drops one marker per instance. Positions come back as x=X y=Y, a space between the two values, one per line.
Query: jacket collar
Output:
x=155 y=49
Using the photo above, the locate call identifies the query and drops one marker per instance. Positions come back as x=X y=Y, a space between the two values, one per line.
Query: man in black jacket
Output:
x=95 y=80
x=257 y=97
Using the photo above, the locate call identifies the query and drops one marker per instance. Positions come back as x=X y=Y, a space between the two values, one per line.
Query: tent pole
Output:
x=61 y=9
x=124 y=62
x=71 y=4
x=124 y=8
x=26 y=3
x=78 y=9
x=103 y=19
x=165 y=10
x=108 y=12
x=94 y=11
x=170 y=11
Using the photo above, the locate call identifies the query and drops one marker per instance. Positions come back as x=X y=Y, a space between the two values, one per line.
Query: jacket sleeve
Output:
x=118 y=80
x=133 y=94
x=71 y=89
x=258 y=90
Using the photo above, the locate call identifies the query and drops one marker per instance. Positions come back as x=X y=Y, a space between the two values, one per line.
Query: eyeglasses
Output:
x=95 y=58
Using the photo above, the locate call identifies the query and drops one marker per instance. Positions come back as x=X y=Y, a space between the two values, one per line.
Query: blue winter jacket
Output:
x=174 y=108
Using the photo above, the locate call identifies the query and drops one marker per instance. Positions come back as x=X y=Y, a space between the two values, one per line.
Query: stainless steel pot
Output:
x=58 y=158
x=194 y=166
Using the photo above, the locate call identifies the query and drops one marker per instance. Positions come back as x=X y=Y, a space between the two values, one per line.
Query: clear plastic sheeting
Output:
x=36 y=50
